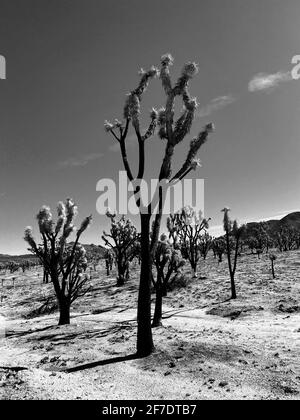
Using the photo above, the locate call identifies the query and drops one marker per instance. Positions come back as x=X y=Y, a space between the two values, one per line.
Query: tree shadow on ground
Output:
x=173 y=312
x=101 y=363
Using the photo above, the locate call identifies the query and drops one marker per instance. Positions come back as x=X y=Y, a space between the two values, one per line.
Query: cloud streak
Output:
x=80 y=161
x=215 y=105
x=266 y=82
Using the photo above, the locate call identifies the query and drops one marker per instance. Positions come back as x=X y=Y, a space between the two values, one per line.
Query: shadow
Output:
x=179 y=311
x=65 y=336
x=101 y=363
x=23 y=333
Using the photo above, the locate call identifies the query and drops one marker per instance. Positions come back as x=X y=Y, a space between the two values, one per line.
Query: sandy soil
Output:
x=208 y=348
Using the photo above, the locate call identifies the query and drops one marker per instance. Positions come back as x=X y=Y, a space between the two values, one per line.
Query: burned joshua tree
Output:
x=168 y=262
x=272 y=259
x=121 y=240
x=186 y=228
x=233 y=235
x=172 y=131
x=64 y=262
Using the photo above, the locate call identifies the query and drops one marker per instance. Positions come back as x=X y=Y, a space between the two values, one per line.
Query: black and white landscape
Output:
x=149 y=200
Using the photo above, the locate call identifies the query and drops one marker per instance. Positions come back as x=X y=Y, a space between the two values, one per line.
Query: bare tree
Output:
x=172 y=132
x=64 y=262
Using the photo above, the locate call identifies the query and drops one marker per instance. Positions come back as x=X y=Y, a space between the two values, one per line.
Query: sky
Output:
x=69 y=65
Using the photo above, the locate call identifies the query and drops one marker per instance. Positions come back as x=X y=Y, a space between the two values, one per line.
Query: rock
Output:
x=222 y=384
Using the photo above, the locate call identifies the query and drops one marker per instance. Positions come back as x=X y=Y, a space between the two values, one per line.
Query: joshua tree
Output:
x=272 y=259
x=233 y=235
x=65 y=263
x=188 y=226
x=172 y=132
x=219 y=248
x=109 y=259
x=13 y=266
x=168 y=262
x=262 y=240
x=121 y=239
x=205 y=244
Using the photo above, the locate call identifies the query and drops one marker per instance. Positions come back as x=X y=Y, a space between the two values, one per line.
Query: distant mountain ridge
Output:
x=91 y=248
x=291 y=220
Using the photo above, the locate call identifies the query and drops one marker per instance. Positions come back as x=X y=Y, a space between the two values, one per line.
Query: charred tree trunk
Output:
x=45 y=277
x=158 y=304
x=233 y=289
x=273 y=271
x=64 y=312
x=144 y=333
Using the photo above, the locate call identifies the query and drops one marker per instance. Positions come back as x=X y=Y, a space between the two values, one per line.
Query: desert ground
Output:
x=209 y=347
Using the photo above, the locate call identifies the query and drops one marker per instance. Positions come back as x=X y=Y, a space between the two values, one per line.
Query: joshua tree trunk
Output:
x=107 y=268
x=64 y=312
x=233 y=290
x=273 y=271
x=144 y=333
x=158 y=304
x=231 y=270
x=121 y=274
x=45 y=277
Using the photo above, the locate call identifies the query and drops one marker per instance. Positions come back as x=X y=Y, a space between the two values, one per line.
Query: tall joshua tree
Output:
x=172 y=131
x=233 y=235
x=64 y=262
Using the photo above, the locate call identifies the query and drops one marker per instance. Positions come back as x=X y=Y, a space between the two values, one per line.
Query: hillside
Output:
x=292 y=220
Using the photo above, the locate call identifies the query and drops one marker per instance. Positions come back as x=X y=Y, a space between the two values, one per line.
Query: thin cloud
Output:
x=216 y=104
x=80 y=161
x=266 y=82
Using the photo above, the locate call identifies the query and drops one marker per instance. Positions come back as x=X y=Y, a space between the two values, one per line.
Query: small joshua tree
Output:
x=219 y=248
x=64 y=262
x=188 y=226
x=233 y=235
x=168 y=262
x=109 y=260
x=173 y=131
x=205 y=244
x=121 y=240
x=272 y=259
x=13 y=266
